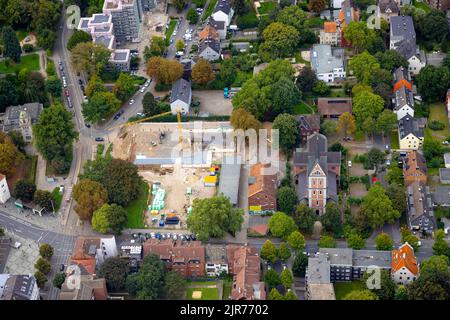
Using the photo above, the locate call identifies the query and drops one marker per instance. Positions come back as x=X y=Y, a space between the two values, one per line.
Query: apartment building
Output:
x=126 y=18
x=328 y=63
x=18 y=287
x=21 y=118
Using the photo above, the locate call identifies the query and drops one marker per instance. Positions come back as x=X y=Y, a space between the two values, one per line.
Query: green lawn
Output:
x=338 y=93
x=302 y=108
x=266 y=7
x=137 y=208
x=421 y=5
x=241 y=78
x=437 y=112
x=394 y=140
x=100 y=149
x=341 y=289
x=169 y=31
x=227 y=285
x=207 y=293
x=433 y=171
x=30 y=62
x=57 y=197
x=31 y=164
x=209 y=10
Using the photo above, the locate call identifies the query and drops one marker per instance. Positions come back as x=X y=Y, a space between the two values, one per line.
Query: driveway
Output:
x=435 y=58
x=213 y=102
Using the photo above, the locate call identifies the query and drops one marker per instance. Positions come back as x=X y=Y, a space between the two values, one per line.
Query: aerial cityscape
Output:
x=220 y=150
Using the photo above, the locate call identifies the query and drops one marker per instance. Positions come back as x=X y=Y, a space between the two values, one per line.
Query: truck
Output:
x=172 y=220
x=225 y=93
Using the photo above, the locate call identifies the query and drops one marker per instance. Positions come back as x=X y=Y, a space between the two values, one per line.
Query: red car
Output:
x=66 y=93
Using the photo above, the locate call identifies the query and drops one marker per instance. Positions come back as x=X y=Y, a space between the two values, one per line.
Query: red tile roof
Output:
x=404 y=257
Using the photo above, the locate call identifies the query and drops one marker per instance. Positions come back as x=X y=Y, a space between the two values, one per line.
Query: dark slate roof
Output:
x=407 y=48
x=441 y=196
x=209 y=42
x=219 y=25
x=444 y=174
x=223 y=5
x=388 y=4
x=309 y=122
x=402 y=26
x=402 y=73
x=12 y=114
x=403 y=97
x=408 y=125
x=181 y=89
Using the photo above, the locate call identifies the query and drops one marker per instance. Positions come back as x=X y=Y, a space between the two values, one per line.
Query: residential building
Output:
x=121 y=59
x=209 y=49
x=403 y=103
x=337 y=4
x=181 y=97
x=262 y=189
x=328 y=63
x=89 y=253
x=133 y=251
x=89 y=288
x=332 y=108
x=330 y=34
x=223 y=11
x=441 y=197
x=364 y=259
x=245 y=265
x=126 y=18
x=4 y=189
x=317 y=173
x=186 y=258
x=347 y=14
x=21 y=118
x=216 y=260
x=401 y=3
x=208 y=32
x=18 y=287
x=447 y=159
x=230 y=173
x=308 y=124
x=147 y=5
x=318 y=280
x=410 y=134
x=420 y=208
x=414 y=168
x=404 y=268
x=220 y=27
x=387 y=9
x=403 y=40
x=187 y=64
x=402 y=78
x=442 y=5
x=444 y=175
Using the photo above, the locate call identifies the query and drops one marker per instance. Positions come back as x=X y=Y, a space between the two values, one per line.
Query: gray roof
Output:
x=447 y=157
x=211 y=43
x=309 y=122
x=229 y=179
x=223 y=5
x=407 y=48
x=12 y=115
x=100 y=18
x=402 y=26
x=407 y=125
x=338 y=256
x=324 y=58
x=120 y=56
x=403 y=97
x=317 y=146
x=441 y=197
x=401 y=73
x=318 y=271
x=84 y=23
x=444 y=174
x=20 y=287
x=181 y=90
x=420 y=207
x=219 y=25
x=104 y=40
x=384 y=5
x=366 y=258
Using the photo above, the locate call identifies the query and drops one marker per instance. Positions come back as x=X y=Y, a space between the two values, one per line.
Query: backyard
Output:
x=394 y=140
x=421 y=5
x=341 y=289
x=303 y=108
x=30 y=62
x=266 y=7
x=208 y=290
x=438 y=113
x=137 y=208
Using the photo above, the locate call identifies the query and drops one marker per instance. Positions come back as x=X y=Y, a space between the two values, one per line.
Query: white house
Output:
x=209 y=49
x=404 y=266
x=223 y=11
x=4 y=190
x=410 y=134
x=181 y=97
x=328 y=62
x=403 y=103
x=337 y=4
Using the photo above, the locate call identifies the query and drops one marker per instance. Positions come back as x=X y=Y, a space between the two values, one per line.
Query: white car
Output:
x=131 y=102
x=419 y=243
x=142 y=90
x=349 y=163
x=140 y=114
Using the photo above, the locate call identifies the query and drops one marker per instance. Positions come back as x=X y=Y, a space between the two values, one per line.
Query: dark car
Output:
x=99 y=139
x=61 y=268
x=87 y=125
x=80 y=82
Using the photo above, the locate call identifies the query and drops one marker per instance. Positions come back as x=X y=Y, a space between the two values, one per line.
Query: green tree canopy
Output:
x=124 y=87
x=367 y=105
x=287 y=279
x=11 y=46
x=148 y=283
x=46 y=251
x=377 y=207
x=272 y=279
x=283 y=252
x=279 y=41
x=269 y=251
x=304 y=217
x=383 y=241
x=90 y=196
x=281 y=225
x=174 y=286
x=327 y=242
x=78 y=36
x=115 y=271
x=100 y=106
x=296 y=241
x=300 y=264
x=288 y=135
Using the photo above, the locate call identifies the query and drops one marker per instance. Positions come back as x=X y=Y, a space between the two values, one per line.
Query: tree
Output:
x=326 y=242
x=346 y=124
x=214 y=216
x=272 y=279
x=432 y=83
x=148 y=283
x=360 y=36
x=11 y=46
x=306 y=80
x=288 y=131
x=157 y=48
x=43 y=265
x=122 y=181
x=8 y=92
x=361 y=88
x=440 y=246
x=228 y=72
x=364 y=65
x=287 y=279
x=95 y=169
x=274 y=294
x=355 y=241
x=401 y=293
x=290 y=295
x=384 y=242
x=109 y=217
x=46 y=251
x=296 y=241
x=89 y=57
x=377 y=207
x=59 y=280
x=297 y=18
x=317 y=6
x=433 y=26
x=279 y=41
x=53 y=86
x=394 y=176
x=321 y=88
x=24 y=190
x=412 y=240
x=202 y=72
x=90 y=196
x=386 y=122
x=164 y=71
x=240 y=7
x=391 y=60
x=179 y=45
x=179 y=4
x=281 y=225
x=283 y=252
x=269 y=251
x=328 y=128
x=115 y=271
x=286 y=199
x=10 y=156
x=331 y=219
x=192 y=16
x=367 y=105
x=2 y=232
x=41 y=279
x=124 y=87
x=242 y=119
x=375 y=157
x=174 y=286
x=361 y=295
x=369 y=126
x=44 y=199
x=54 y=134
x=300 y=264
x=95 y=85
x=78 y=36
x=304 y=217
x=100 y=106
x=100 y=221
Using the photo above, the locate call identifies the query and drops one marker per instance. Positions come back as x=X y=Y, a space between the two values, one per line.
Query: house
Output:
x=410 y=134
x=404 y=268
x=245 y=266
x=21 y=118
x=209 y=49
x=328 y=63
x=89 y=288
x=332 y=108
x=230 y=173
x=442 y=5
x=403 y=103
x=4 y=189
x=186 y=258
x=444 y=175
x=420 y=208
x=447 y=159
x=220 y=27
x=318 y=281
x=133 y=251
x=401 y=3
x=187 y=64
x=208 y=32
x=403 y=40
x=262 y=189
x=18 y=287
x=330 y=34
x=216 y=260
x=181 y=97
x=121 y=59
x=347 y=14
x=387 y=9
x=89 y=253
x=402 y=78
x=308 y=124
x=317 y=173
x=223 y=11
x=441 y=196
x=414 y=168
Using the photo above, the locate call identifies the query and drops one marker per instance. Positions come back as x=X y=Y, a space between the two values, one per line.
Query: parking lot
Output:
x=212 y=102
x=161 y=235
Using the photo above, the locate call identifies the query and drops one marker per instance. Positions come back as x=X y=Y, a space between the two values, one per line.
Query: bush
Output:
x=436 y=125
x=28 y=48
x=250 y=20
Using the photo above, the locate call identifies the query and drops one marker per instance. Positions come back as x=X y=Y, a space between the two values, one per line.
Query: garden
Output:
x=137 y=207
x=29 y=62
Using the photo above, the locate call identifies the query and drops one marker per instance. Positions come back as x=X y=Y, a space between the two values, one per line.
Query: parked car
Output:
x=131 y=102
x=80 y=81
x=349 y=163
x=388 y=162
x=87 y=125
x=142 y=89
x=66 y=93
x=61 y=268
x=99 y=139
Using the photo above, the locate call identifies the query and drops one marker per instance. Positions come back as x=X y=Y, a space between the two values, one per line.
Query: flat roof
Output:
x=229 y=179
x=366 y=258
x=338 y=256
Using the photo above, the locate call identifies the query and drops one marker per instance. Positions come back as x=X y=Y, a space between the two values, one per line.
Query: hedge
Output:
x=250 y=20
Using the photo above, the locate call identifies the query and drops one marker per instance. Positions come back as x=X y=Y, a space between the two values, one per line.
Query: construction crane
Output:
x=180 y=128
